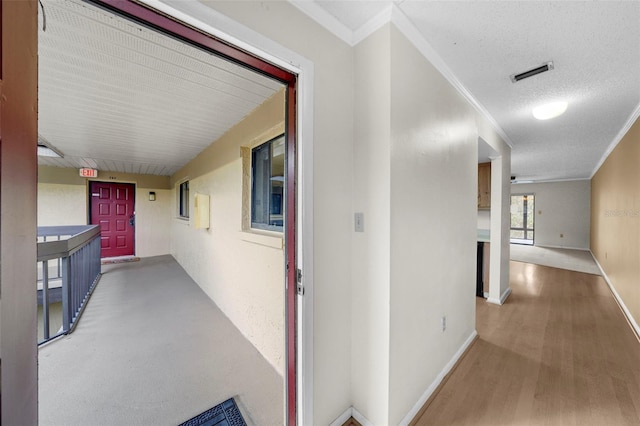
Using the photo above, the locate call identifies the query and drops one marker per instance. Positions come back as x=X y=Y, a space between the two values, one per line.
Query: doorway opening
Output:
x=522 y=219
x=150 y=19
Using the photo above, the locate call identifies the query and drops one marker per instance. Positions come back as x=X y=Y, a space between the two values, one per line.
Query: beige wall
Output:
x=62 y=200
x=242 y=271
x=60 y=204
x=561 y=208
x=153 y=222
x=615 y=219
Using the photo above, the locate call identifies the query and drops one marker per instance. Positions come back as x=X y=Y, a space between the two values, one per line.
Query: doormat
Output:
x=119 y=260
x=225 y=414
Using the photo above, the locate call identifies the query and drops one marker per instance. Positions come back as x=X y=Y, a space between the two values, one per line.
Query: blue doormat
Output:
x=225 y=414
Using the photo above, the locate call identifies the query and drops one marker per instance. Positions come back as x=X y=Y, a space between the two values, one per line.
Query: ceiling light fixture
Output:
x=45 y=149
x=551 y=110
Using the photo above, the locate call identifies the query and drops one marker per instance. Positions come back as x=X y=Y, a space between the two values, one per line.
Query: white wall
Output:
x=484 y=219
x=332 y=210
x=561 y=208
x=499 y=255
x=371 y=249
x=433 y=224
x=415 y=180
x=242 y=271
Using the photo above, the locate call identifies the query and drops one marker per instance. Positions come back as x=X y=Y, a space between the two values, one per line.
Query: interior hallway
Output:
x=152 y=348
x=558 y=352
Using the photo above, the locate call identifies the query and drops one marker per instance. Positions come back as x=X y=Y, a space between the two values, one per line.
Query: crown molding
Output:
x=406 y=27
x=621 y=134
x=325 y=19
x=393 y=14
x=373 y=25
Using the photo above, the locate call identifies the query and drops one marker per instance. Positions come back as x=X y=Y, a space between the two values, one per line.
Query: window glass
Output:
x=267 y=185
x=183 y=200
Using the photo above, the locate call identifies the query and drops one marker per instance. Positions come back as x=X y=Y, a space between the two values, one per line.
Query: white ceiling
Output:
x=595 y=47
x=117 y=96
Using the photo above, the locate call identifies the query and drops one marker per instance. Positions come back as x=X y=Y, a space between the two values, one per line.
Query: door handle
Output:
x=132 y=220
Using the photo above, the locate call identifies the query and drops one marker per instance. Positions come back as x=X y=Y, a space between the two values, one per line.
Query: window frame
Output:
x=182 y=202
x=261 y=226
x=526 y=230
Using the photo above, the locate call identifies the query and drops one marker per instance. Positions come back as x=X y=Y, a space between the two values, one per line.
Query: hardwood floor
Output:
x=558 y=352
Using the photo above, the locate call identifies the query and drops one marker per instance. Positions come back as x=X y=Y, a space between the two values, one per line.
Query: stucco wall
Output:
x=62 y=200
x=241 y=270
x=60 y=204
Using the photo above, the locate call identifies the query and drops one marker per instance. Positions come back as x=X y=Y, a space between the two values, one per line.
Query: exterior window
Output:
x=267 y=185
x=183 y=200
x=522 y=218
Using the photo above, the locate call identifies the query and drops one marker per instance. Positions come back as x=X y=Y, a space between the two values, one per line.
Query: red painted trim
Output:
x=290 y=244
x=167 y=25
x=150 y=17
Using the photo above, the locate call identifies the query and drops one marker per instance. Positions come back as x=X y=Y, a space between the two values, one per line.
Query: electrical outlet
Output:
x=443 y=320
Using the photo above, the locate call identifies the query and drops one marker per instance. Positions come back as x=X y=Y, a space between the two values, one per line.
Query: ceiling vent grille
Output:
x=535 y=71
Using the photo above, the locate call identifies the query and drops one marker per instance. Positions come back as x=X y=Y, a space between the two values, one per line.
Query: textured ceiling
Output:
x=120 y=97
x=595 y=47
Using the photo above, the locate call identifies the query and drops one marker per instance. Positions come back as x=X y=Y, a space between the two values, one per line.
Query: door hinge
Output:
x=299 y=286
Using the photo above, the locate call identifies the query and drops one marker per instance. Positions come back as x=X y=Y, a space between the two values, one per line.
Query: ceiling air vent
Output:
x=543 y=68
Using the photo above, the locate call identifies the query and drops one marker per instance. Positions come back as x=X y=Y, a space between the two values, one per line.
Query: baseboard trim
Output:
x=625 y=311
x=351 y=412
x=562 y=247
x=427 y=397
x=503 y=297
x=342 y=418
x=360 y=418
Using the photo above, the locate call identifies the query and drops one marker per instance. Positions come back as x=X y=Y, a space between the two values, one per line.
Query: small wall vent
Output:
x=535 y=71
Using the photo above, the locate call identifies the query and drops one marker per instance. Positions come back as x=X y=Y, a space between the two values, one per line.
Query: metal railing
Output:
x=68 y=271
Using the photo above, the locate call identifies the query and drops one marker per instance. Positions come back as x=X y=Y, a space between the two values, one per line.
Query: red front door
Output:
x=113 y=208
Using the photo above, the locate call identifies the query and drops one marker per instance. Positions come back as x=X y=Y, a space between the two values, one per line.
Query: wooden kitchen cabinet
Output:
x=484 y=185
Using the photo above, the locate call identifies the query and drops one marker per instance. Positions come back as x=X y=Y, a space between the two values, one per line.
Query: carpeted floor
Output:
x=572 y=260
x=153 y=349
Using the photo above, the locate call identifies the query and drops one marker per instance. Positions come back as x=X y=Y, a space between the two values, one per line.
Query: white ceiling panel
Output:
x=120 y=97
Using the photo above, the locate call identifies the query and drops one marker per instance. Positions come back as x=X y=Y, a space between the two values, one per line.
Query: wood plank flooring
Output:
x=558 y=352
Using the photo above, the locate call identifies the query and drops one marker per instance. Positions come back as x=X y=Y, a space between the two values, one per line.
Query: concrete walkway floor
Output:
x=152 y=349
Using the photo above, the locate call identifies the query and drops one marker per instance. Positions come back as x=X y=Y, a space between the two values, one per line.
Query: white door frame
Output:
x=210 y=21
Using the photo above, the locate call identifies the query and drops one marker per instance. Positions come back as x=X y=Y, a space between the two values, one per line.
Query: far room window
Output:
x=522 y=218
x=267 y=185
x=183 y=200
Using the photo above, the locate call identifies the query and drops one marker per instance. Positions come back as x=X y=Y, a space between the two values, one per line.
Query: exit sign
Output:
x=89 y=173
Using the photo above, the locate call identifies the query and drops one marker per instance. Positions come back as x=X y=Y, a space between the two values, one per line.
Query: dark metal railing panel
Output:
x=77 y=258
x=64 y=247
